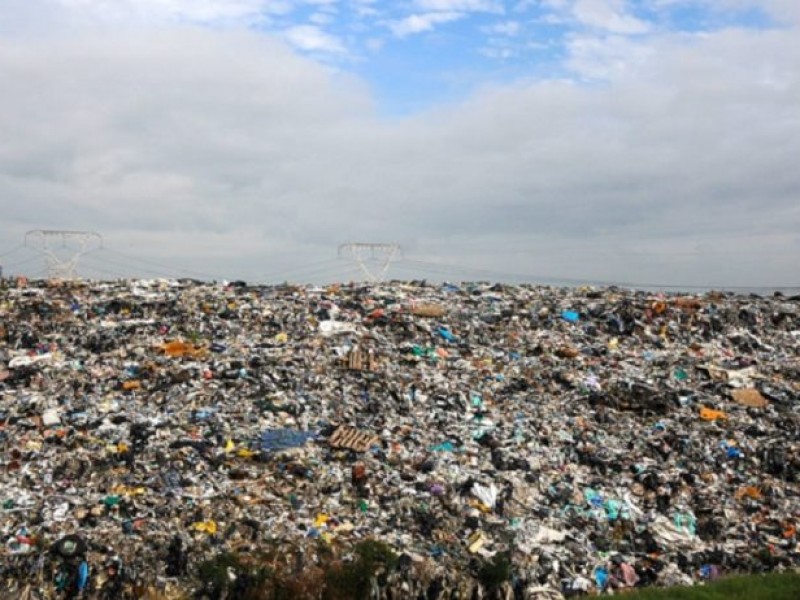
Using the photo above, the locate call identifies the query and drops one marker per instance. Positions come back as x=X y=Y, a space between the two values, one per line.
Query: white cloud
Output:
x=422 y=22
x=365 y=8
x=506 y=28
x=460 y=5
x=610 y=15
x=606 y=57
x=788 y=10
x=321 y=18
x=311 y=38
x=374 y=44
x=498 y=52
x=199 y=11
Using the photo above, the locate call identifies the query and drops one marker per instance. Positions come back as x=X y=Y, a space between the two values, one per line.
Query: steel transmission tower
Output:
x=364 y=254
x=63 y=249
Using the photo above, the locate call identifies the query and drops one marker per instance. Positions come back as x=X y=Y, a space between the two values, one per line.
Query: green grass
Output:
x=783 y=586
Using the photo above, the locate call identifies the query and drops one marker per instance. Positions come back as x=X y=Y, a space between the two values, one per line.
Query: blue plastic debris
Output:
x=283 y=439
x=601 y=577
x=447 y=446
x=734 y=453
x=571 y=316
x=445 y=334
x=83 y=576
x=593 y=497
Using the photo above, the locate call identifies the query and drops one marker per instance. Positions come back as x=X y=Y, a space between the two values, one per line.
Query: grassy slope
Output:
x=785 y=586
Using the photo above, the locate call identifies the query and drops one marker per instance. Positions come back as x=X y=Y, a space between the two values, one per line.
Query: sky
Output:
x=652 y=142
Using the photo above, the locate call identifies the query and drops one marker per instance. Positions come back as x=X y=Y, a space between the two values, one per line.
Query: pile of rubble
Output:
x=506 y=441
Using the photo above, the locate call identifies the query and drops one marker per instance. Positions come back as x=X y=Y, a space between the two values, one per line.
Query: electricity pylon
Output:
x=73 y=244
x=364 y=253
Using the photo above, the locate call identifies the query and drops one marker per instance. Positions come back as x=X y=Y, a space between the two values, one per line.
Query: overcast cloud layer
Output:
x=663 y=157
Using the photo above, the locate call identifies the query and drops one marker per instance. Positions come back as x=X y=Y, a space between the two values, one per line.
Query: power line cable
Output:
x=168 y=268
x=105 y=269
x=302 y=269
x=130 y=268
x=38 y=274
x=12 y=251
x=24 y=261
x=328 y=275
x=315 y=263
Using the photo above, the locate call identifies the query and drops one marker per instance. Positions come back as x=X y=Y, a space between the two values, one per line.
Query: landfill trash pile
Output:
x=408 y=440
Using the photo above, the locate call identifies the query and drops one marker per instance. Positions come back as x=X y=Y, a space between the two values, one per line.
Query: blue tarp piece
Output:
x=601 y=577
x=283 y=439
x=571 y=316
x=83 y=575
x=446 y=334
x=447 y=446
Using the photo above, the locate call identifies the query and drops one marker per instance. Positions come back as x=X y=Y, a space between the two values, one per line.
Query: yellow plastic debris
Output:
x=480 y=506
x=282 y=337
x=321 y=520
x=209 y=527
x=122 y=448
x=230 y=446
x=476 y=541
x=709 y=414
x=244 y=453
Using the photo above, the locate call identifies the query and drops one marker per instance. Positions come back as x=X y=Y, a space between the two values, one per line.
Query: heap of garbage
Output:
x=395 y=440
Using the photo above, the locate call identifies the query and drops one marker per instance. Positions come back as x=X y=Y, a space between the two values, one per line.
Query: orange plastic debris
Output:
x=131 y=385
x=178 y=349
x=659 y=307
x=749 y=492
x=709 y=414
